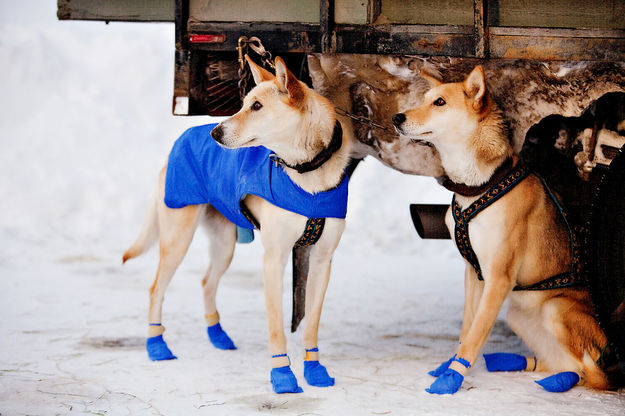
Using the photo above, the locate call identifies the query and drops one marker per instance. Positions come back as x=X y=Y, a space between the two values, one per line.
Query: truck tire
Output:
x=607 y=263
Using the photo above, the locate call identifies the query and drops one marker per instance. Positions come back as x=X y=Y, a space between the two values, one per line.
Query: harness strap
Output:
x=312 y=232
x=310 y=236
x=461 y=231
x=462 y=218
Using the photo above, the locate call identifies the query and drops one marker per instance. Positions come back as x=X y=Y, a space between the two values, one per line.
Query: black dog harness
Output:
x=461 y=231
x=310 y=236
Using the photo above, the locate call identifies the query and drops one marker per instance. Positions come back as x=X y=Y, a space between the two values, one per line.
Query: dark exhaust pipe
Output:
x=429 y=220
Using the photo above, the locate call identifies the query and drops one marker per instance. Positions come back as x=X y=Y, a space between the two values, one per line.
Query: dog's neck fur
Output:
x=314 y=135
x=473 y=161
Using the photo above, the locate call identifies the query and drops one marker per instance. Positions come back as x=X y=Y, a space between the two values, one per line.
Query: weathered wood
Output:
x=433 y=12
x=374 y=9
x=594 y=14
x=181 y=100
x=117 y=10
x=352 y=12
x=452 y=41
x=326 y=21
x=480 y=29
x=301 y=11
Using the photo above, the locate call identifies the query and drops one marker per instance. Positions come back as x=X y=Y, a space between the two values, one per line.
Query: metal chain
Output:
x=265 y=56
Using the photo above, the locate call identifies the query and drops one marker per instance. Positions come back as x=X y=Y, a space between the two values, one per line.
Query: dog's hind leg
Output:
x=318 y=278
x=222 y=235
x=177 y=227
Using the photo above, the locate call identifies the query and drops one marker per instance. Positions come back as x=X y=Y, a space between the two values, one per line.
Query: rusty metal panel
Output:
x=408 y=39
x=558 y=45
x=117 y=10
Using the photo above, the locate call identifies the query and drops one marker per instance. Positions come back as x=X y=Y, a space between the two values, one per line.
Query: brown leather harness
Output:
x=496 y=191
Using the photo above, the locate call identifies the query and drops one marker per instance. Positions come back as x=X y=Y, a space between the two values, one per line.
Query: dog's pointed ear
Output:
x=433 y=81
x=475 y=87
x=259 y=73
x=288 y=84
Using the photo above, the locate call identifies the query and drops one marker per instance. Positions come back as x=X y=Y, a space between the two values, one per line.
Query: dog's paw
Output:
x=505 y=361
x=441 y=368
x=157 y=349
x=219 y=338
x=560 y=382
x=447 y=383
x=283 y=380
x=317 y=375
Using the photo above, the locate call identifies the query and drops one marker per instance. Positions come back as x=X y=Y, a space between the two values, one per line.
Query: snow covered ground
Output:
x=85 y=125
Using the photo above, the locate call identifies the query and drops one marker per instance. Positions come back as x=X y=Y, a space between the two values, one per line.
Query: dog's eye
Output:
x=439 y=102
x=256 y=106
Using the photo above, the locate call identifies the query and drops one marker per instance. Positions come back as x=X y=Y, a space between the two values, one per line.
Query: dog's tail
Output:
x=593 y=375
x=148 y=234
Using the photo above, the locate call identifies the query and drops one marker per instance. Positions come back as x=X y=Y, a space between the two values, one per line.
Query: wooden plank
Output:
x=480 y=25
x=374 y=9
x=181 y=100
x=555 y=48
x=456 y=41
x=301 y=11
x=117 y=10
x=353 y=12
x=429 y=12
x=591 y=14
x=326 y=21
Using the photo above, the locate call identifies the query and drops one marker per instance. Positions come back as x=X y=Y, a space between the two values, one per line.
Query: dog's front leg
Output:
x=282 y=378
x=496 y=289
x=318 y=278
x=473 y=289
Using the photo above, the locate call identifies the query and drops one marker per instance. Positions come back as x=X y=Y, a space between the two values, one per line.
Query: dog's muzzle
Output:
x=218 y=133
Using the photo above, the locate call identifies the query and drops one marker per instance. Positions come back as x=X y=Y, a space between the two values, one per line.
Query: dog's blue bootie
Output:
x=560 y=382
x=283 y=380
x=505 y=361
x=219 y=338
x=447 y=383
x=317 y=375
x=441 y=368
x=157 y=349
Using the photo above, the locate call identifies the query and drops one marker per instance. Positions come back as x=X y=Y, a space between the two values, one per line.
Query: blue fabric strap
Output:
x=441 y=368
x=155 y=324
x=504 y=361
x=279 y=355
x=312 y=350
x=462 y=361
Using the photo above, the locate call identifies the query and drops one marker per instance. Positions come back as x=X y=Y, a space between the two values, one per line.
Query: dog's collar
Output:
x=321 y=158
x=466 y=190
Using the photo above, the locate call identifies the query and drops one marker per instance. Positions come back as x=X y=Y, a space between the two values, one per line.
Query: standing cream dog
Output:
x=515 y=240
x=301 y=128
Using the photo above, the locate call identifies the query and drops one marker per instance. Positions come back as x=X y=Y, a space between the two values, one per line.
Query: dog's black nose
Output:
x=398 y=119
x=217 y=133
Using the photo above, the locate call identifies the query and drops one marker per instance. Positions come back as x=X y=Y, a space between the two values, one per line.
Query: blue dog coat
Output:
x=200 y=171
